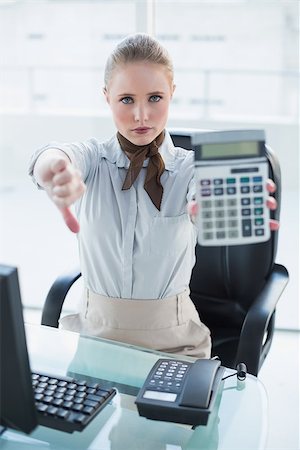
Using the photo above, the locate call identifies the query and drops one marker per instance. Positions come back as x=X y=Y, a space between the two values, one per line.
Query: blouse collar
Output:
x=115 y=154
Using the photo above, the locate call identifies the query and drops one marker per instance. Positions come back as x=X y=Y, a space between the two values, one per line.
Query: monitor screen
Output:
x=17 y=407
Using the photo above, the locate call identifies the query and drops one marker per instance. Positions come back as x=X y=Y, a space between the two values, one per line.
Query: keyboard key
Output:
x=63 y=413
x=41 y=407
x=79 y=418
x=94 y=398
x=52 y=410
x=87 y=409
x=90 y=403
x=79 y=407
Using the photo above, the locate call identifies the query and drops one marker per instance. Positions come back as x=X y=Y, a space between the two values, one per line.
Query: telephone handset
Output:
x=180 y=391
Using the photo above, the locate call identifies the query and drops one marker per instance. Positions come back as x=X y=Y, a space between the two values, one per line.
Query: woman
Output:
x=136 y=238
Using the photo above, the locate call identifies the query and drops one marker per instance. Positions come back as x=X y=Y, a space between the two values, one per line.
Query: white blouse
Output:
x=127 y=248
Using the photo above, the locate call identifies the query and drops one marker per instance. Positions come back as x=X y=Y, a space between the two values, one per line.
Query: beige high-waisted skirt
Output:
x=170 y=325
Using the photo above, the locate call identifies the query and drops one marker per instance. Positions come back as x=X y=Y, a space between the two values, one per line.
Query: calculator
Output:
x=231 y=172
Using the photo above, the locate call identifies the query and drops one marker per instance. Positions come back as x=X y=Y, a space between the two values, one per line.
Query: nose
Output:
x=141 y=113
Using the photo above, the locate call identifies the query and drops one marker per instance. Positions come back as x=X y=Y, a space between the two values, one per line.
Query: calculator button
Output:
x=259 y=222
x=206 y=203
x=245 y=180
x=257 y=179
x=246 y=212
x=257 y=188
x=258 y=211
x=206 y=214
x=232 y=223
x=258 y=200
x=221 y=234
x=232 y=213
x=208 y=236
x=218 y=181
x=231 y=190
x=246 y=227
x=245 y=201
x=218 y=191
x=207 y=225
x=245 y=189
x=233 y=234
x=220 y=224
x=219 y=213
x=231 y=202
x=219 y=203
x=205 y=182
x=205 y=192
x=259 y=232
x=230 y=180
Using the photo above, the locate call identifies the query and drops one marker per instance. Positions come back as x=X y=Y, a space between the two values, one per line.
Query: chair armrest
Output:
x=56 y=297
x=257 y=330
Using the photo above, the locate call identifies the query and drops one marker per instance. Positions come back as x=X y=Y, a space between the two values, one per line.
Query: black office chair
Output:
x=235 y=289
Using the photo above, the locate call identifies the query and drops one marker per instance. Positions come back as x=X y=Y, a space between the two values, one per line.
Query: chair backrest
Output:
x=226 y=280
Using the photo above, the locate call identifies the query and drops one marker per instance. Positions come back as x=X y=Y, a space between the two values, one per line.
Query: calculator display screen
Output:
x=230 y=150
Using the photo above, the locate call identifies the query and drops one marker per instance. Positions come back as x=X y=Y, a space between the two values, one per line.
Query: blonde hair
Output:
x=134 y=48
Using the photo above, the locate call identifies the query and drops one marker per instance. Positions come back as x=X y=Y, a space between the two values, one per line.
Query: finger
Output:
x=70 y=220
x=192 y=208
x=58 y=165
x=62 y=177
x=271 y=203
x=274 y=225
x=271 y=186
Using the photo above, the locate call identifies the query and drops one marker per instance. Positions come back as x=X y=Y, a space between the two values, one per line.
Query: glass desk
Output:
x=238 y=421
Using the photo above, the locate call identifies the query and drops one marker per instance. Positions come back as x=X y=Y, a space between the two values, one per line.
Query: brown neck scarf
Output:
x=137 y=155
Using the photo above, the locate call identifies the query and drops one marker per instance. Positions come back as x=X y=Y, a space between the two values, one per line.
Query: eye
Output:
x=155 y=98
x=127 y=100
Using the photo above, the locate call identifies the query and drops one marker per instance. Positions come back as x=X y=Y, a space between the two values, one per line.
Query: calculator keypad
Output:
x=169 y=376
x=232 y=208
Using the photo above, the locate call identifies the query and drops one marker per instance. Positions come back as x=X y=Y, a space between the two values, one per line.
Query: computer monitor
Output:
x=17 y=406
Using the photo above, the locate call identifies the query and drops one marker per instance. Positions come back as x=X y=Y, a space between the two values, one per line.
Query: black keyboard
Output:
x=66 y=403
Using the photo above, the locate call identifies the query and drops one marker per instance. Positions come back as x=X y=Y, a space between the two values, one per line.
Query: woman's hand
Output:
x=62 y=182
x=192 y=206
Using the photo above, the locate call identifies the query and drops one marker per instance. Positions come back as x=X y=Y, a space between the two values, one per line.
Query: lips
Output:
x=141 y=129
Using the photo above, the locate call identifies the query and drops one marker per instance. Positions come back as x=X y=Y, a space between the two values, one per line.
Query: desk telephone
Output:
x=180 y=391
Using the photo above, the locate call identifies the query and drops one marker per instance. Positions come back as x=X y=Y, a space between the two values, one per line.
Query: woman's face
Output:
x=139 y=95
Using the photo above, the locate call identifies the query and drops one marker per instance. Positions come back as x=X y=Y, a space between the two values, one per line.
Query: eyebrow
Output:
x=149 y=93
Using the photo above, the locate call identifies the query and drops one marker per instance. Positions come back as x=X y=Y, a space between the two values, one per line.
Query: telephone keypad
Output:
x=169 y=376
